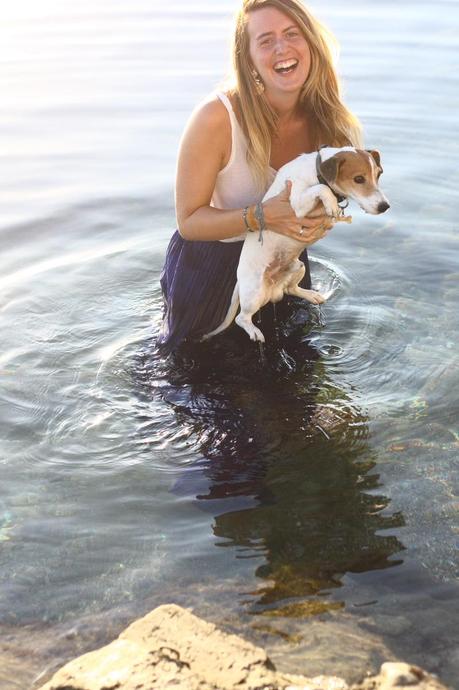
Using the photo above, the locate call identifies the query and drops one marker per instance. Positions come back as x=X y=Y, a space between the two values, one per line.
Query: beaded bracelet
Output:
x=246 y=223
x=251 y=219
x=255 y=216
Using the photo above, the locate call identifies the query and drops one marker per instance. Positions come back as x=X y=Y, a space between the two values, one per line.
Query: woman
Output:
x=284 y=101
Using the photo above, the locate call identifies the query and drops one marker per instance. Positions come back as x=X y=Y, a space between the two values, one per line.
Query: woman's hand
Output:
x=280 y=218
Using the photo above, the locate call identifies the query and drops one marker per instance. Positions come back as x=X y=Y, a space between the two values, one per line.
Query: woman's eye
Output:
x=359 y=179
x=293 y=34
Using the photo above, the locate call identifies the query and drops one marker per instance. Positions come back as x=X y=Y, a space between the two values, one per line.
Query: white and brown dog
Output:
x=269 y=270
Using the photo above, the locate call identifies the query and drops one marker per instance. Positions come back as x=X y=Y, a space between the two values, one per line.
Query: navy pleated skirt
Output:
x=197 y=283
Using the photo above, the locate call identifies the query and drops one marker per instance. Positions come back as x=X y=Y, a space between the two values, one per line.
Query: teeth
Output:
x=285 y=64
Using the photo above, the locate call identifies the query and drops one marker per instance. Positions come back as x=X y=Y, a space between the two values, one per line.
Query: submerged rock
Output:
x=172 y=648
x=396 y=675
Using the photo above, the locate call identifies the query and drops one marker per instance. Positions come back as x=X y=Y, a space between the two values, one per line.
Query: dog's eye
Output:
x=359 y=179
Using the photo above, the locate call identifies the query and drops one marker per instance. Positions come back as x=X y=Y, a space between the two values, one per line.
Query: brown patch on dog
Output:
x=353 y=171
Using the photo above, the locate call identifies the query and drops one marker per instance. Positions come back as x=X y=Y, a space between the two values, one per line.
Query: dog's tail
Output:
x=230 y=316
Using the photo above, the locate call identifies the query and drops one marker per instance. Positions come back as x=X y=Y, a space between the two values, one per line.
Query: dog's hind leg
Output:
x=310 y=295
x=229 y=318
x=244 y=320
x=252 y=298
x=296 y=291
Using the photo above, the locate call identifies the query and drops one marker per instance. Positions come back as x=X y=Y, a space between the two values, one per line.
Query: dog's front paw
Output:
x=329 y=201
x=332 y=210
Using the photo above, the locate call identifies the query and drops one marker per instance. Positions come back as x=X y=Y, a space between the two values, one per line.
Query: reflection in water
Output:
x=288 y=473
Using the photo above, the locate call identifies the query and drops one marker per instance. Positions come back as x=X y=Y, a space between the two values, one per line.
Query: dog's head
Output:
x=355 y=175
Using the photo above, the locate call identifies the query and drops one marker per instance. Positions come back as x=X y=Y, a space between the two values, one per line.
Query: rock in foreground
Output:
x=172 y=648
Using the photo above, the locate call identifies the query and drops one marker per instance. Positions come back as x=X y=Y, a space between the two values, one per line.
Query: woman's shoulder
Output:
x=214 y=113
x=209 y=129
x=211 y=112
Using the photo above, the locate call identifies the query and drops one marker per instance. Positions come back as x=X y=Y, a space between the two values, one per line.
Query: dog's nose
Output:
x=383 y=206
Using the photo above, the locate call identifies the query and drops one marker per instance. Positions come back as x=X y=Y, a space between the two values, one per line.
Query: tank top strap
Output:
x=227 y=103
x=238 y=137
x=235 y=186
x=238 y=140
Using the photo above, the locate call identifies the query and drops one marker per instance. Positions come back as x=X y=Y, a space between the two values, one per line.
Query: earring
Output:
x=258 y=83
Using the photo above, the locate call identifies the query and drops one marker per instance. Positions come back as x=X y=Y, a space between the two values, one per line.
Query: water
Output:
x=312 y=508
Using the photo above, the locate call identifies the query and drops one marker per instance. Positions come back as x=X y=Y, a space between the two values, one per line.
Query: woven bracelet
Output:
x=260 y=216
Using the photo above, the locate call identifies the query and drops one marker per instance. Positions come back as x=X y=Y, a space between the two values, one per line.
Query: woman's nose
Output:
x=279 y=45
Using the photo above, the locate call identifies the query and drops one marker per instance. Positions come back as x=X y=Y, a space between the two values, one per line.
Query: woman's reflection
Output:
x=288 y=472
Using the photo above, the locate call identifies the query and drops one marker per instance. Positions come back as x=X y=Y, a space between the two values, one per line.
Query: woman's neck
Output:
x=286 y=106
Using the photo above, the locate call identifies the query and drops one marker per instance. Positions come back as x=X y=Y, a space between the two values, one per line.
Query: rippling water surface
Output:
x=309 y=501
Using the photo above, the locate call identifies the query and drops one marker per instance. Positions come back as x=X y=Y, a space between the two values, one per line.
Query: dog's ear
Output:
x=329 y=169
x=376 y=157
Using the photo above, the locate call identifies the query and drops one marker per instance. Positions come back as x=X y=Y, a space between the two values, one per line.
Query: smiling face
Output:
x=279 y=51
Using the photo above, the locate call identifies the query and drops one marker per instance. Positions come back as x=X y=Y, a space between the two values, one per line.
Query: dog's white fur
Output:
x=269 y=270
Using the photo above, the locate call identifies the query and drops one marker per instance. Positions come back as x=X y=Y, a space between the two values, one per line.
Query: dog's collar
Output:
x=339 y=197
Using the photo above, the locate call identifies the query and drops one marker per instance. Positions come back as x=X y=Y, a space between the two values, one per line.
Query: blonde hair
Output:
x=332 y=123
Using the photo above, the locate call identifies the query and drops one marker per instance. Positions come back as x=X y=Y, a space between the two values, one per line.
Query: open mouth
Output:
x=285 y=66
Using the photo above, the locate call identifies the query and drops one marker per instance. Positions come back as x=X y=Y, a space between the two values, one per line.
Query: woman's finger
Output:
x=284 y=195
x=314 y=222
x=313 y=233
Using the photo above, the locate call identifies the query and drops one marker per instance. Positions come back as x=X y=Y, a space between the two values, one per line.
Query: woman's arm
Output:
x=204 y=151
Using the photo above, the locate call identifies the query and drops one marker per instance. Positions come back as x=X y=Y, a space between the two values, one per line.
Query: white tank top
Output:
x=235 y=186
